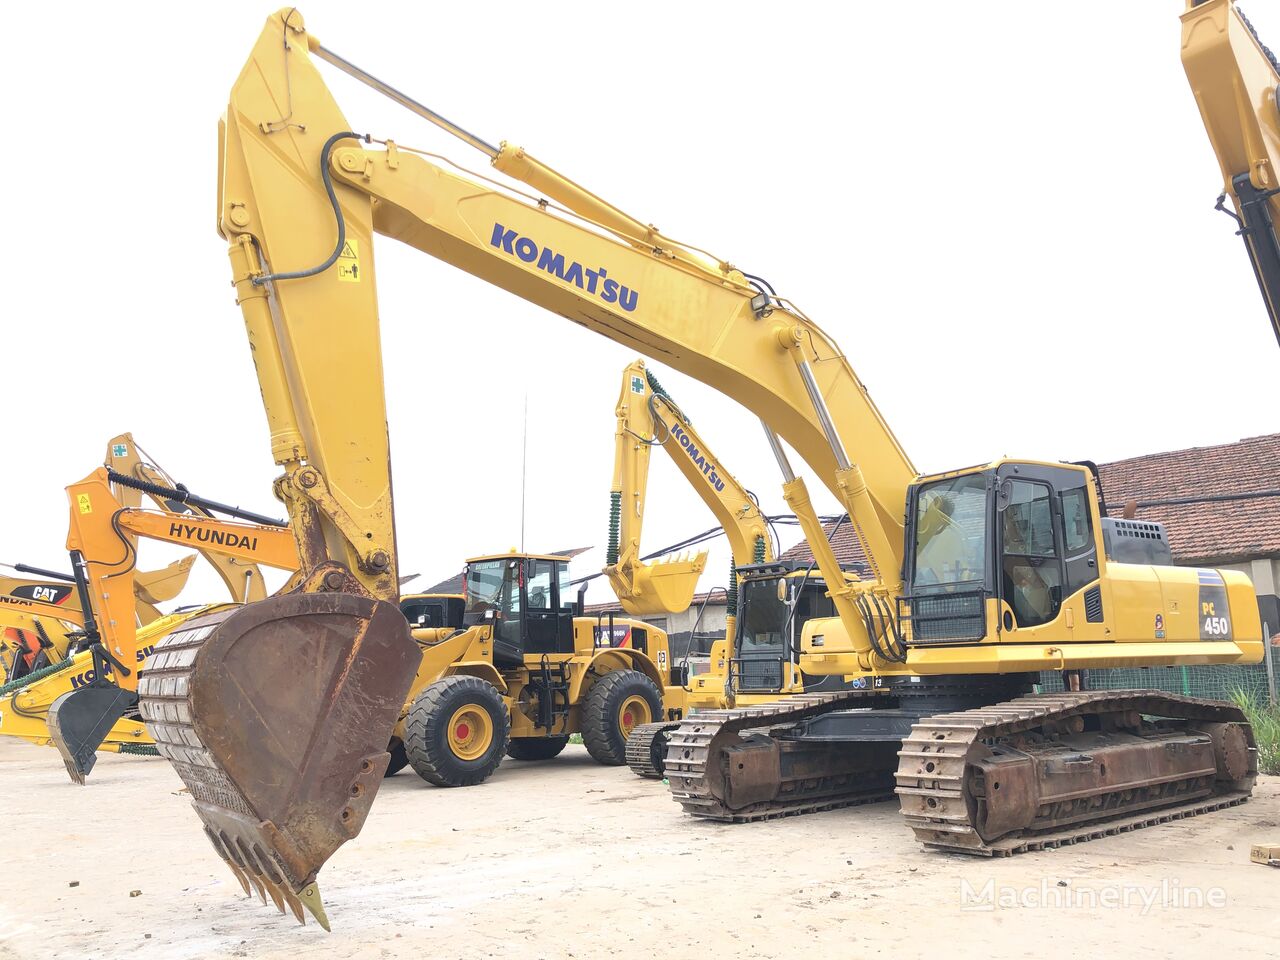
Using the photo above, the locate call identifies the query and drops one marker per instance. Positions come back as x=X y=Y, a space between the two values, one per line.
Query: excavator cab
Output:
x=524 y=597
x=774 y=602
x=1024 y=535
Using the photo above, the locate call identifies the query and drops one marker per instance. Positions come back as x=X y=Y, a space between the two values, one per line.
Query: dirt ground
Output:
x=569 y=859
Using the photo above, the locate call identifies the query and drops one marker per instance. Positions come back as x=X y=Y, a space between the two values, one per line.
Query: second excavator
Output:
x=277 y=716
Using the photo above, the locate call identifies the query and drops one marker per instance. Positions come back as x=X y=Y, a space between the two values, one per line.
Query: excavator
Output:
x=277 y=715
x=1235 y=78
x=45 y=619
x=83 y=702
x=758 y=658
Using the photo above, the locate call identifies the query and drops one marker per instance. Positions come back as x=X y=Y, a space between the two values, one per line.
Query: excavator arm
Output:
x=243 y=580
x=1235 y=79
x=648 y=418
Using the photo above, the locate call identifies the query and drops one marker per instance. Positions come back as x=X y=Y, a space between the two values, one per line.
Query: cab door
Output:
x=548 y=627
x=1046 y=541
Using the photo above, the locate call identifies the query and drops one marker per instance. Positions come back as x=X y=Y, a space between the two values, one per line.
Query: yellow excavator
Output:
x=84 y=703
x=277 y=715
x=48 y=615
x=1235 y=78
x=758 y=658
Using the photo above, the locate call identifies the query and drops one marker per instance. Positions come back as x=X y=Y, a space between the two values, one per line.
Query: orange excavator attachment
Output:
x=666 y=586
x=277 y=717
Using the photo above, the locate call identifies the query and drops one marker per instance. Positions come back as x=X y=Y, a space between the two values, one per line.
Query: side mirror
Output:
x=783 y=591
x=1004 y=495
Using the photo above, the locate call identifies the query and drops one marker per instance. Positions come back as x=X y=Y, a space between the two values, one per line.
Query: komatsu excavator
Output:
x=758 y=658
x=277 y=715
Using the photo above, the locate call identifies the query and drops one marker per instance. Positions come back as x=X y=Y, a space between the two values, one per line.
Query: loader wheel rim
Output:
x=470 y=732
x=633 y=712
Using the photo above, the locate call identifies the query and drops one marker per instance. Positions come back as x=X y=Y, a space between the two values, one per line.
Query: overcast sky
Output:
x=1006 y=221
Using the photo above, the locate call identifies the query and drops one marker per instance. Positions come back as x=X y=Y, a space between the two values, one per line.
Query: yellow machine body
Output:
x=299 y=200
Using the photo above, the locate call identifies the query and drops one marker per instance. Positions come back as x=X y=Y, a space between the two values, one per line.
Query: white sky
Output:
x=1004 y=217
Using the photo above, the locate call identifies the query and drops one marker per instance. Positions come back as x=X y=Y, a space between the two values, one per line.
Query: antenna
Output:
x=524 y=464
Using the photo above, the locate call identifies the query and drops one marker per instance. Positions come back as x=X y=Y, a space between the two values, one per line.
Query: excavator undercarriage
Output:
x=973 y=773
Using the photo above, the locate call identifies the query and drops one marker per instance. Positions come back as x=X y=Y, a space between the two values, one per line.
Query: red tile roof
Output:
x=1203 y=532
x=1207 y=531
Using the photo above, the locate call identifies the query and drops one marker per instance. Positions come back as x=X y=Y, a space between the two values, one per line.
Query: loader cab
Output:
x=1024 y=534
x=527 y=600
x=774 y=602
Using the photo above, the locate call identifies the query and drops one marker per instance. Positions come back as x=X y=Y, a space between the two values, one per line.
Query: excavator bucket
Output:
x=80 y=720
x=663 y=587
x=277 y=717
x=157 y=586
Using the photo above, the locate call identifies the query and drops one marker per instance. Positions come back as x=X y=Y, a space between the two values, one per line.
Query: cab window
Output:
x=542 y=575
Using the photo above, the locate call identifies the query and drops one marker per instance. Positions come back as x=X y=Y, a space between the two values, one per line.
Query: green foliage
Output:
x=1266 y=728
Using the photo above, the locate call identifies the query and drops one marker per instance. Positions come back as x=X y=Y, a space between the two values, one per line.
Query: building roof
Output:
x=1206 y=531
x=716 y=597
x=848 y=551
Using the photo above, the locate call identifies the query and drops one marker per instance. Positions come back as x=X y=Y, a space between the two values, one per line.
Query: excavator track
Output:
x=699 y=754
x=1032 y=773
x=646 y=745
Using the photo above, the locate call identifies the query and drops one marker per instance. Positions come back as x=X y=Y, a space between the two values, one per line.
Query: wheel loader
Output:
x=526 y=671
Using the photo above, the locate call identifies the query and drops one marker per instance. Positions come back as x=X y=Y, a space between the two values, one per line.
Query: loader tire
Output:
x=399 y=760
x=535 y=748
x=456 y=732
x=618 y=703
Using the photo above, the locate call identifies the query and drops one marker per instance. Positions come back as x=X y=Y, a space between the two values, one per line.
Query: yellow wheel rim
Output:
x=470 y=732
x=633 y=712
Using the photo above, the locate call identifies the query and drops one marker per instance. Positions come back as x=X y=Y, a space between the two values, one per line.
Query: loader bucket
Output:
x=662 y=587
x=277 y=717
x=80 y=720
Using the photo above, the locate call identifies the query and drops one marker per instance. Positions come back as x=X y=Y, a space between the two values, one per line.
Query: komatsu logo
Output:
x=708 y=467
x=596 y=282
x=222 y=538
x=86 y=677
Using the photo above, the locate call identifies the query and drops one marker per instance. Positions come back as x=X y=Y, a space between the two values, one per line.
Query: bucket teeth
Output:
x=257 y=885
x=244 y=881
x=295 y=905
x=310 y=897
x=274 y=892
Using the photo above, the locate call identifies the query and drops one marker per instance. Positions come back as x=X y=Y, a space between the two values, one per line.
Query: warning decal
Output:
x=349 y=262
x=84 y=503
